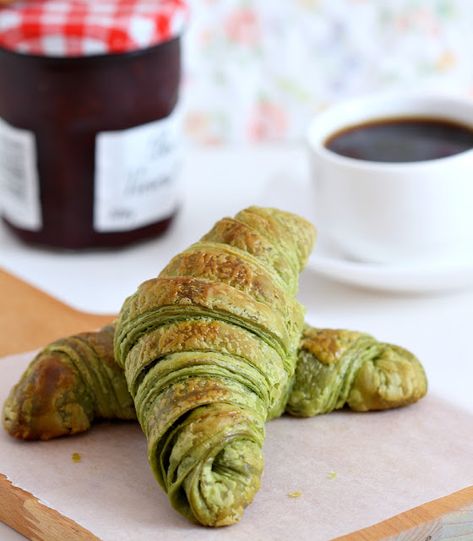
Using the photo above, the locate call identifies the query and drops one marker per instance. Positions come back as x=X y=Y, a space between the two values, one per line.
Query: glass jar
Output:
x=88 y=123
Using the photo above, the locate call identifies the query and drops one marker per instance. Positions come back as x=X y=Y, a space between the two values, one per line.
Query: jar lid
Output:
x=89 y=27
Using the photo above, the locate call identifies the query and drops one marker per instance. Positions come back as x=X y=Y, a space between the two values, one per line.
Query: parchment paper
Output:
x=352 y=470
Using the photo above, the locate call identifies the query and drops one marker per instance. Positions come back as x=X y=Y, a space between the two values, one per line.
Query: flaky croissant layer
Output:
x=70 y=383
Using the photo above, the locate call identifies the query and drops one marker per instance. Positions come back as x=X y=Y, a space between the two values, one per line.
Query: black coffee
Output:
x=406 y=139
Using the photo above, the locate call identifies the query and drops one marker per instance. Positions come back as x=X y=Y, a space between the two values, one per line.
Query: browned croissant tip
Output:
x=36 y=406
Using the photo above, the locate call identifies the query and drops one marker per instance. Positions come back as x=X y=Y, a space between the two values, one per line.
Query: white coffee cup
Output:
x=394 y=212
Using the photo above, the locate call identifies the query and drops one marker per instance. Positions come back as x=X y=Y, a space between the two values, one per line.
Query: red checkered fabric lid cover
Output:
x=89 y=27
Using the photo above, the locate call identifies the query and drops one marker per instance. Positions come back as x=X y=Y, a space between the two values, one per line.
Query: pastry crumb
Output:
x=295 y=494
x=331 y=475
x=76 y=457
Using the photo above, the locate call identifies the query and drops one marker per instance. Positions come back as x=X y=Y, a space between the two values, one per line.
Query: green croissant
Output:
x=59 y=393
x=209 y=350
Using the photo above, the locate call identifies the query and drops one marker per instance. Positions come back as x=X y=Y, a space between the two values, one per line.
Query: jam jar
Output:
x=89 y=128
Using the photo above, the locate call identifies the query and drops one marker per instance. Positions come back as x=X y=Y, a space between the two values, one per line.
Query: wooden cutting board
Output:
x=30 y=318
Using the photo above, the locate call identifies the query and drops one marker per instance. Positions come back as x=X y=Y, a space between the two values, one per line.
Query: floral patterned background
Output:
x=257 y=70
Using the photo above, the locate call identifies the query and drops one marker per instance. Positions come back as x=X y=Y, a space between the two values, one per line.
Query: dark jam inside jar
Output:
x=66 y=103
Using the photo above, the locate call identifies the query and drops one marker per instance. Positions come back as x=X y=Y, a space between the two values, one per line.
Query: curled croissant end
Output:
x=67 y=385
x=209 y=350
x=338 y=367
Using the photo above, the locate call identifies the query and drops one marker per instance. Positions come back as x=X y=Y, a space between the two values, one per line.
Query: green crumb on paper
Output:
x=295 y=494
x=331 y=475
x=76 y=457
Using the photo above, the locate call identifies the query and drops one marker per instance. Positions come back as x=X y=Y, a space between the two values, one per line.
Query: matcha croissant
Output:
x=383 y=376
x=209 y=350
x=339 y=368
x=70 y=383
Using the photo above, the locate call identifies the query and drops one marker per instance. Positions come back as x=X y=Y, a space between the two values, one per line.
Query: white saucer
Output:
x=294 y=192
x=409 y=278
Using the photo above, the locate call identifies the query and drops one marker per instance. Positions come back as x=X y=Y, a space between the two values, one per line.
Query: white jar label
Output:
x=19 y=179
x=135 y=176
